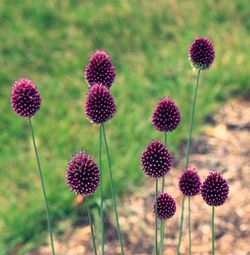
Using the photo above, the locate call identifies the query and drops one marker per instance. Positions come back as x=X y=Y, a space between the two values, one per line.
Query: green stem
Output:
x=162 y=190
x=113 y=191
x=192 y=119
x=212 y=230
x=163 y=178
x=91 y=226
x=43 y=188
x=162 y=236
x=156 y=220
x=189 y=227
x=187 y=156
x=101 y=188
x=181 y=225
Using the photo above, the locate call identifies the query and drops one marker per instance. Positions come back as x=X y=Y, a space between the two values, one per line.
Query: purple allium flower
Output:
x=166 y=115
x=166 y=206
x=156 y=160
x=83 y=175
x=100 y=69
x=100 y=105
x=190 y=182
x=25 y=98
x=201 y=53
x=214 y=189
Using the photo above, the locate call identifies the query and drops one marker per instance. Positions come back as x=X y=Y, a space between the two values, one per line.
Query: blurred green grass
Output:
x=50 y=42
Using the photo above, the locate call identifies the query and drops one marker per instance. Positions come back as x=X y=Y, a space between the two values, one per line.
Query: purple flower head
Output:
x=190 y=182
x=83 y=175
x=100 y=69
x=156 y=160
x=214 y=189
x=25 y=98
x=166 y=206
x=100 y=105
x=201 y=53
x=166 y=115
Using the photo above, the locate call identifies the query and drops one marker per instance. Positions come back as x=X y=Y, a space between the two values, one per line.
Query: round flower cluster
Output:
x=100 y=105
x=100 y=70
x=166 y=206
x=215 y=189
x=190 y=182
x=166 y=115
x=25 y=98
x=156 y=160
x=201 y=53
x=100 y=74
x=83 y=175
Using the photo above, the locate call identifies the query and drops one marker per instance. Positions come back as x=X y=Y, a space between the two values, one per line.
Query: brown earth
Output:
x=225 y=146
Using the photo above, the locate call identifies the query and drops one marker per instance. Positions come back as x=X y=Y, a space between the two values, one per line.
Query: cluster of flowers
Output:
x=156 y=160
x=83 y=174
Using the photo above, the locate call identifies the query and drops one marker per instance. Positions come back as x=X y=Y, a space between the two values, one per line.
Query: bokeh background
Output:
x=50 y=42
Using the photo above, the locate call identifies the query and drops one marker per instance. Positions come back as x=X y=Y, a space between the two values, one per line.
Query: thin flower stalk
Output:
x=101 y=189
x=214 y=192
x=156 y=220
x=113 y=191
x=186 y=165
x=91 y=226
x=162 y=225
x=212 y=230
x=43 y=188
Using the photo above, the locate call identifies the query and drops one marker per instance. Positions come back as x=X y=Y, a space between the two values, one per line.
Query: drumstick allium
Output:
x=25 y=98
x=83 y=175
x=190 y=182
x=100 y=69
x=26 y=101
x=201 y=53
x=166 y=116
x=100 y=105
x=166 y=206
x=214 y=191
x=83 y=178
x=156 y=160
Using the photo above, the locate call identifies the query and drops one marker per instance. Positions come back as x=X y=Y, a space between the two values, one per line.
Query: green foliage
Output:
x=50 y=42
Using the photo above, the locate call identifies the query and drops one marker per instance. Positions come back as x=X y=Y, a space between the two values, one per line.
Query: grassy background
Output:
x=50 y=42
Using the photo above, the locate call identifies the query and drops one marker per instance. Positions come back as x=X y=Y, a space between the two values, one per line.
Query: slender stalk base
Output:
x=113 y=191
x=212 y=230
x=101 y=189
x=181 y=225
x=162 y=236
x=91 y=226
x=192 y=119
x=187 y=162
x=162 y=226
x=189 y=228
x=156 y=219
x=43 y=188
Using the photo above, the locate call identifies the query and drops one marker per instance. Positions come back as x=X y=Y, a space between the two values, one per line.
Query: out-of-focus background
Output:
x=50 y=42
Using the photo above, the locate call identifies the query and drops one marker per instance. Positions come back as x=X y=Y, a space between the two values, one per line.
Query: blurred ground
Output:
x=225 y=146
